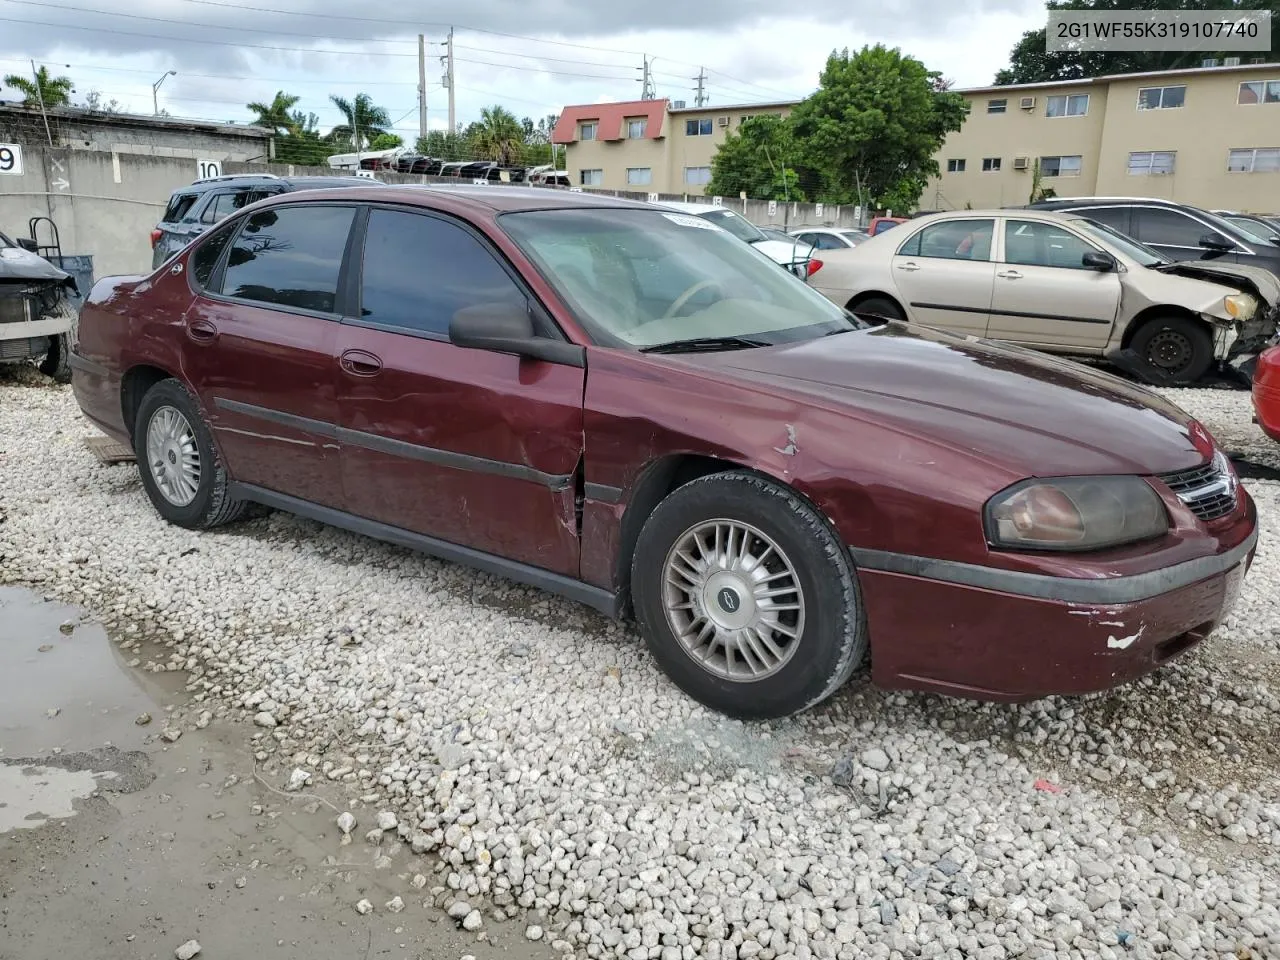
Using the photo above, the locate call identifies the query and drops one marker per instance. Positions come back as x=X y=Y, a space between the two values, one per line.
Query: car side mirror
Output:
x=507 y=327
x=28 y=244
x=1098 y=261
x=1212 y=241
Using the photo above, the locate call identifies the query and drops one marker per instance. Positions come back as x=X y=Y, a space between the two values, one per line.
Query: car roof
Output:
x=493 y=199
x=694 y=208
x=261 y=179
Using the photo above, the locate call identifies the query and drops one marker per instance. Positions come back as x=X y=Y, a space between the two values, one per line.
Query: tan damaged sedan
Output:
x=1059 y=283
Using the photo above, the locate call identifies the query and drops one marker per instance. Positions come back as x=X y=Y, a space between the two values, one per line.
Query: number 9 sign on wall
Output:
x=11 y=159
x=208 y=169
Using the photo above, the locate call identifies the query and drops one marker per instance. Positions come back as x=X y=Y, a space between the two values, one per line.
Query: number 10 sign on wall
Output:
x=208 y=169
x=11 y=159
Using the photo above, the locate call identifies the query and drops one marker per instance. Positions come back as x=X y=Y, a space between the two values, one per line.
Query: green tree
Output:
x=94 y=103
x=42 y=89
x=1029 y=62
x=873 y=125
x=443 y=145
x=275 y=115
x=386 y=141
x=364 y=122
x=497 y=135
x=762 y=158
x=303 y=143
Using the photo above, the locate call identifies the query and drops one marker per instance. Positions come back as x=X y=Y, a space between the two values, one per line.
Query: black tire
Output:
x=212 y=504
x=57 y=362
x=1177 y=348
x=831 y=641
x=878 y=307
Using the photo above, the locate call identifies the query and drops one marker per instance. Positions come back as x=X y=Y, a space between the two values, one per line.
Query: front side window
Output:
x=1115 y=238
x=1254 y=160
x=1151 y=162
x=1259 y=91
x=639 y=176
x=1060 y=166
x=955 y=166
x=418 y=271
x=697 y=176
x=1076 y=105
x=1033 y=244
x=697 y=128
x=289 y=256
x=587 y=131
x=640 y=278
x=952 y=240
x=636 y=128
x=591 y=178
x=1168 y=228
x=1162 y=98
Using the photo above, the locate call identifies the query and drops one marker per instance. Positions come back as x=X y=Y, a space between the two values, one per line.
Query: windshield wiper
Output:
x=705 y=344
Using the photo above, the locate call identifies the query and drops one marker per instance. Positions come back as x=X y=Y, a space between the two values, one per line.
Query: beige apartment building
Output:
x=1208 y=136
x=652 y=146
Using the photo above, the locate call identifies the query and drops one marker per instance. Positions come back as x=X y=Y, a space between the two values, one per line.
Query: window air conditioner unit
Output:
x=1021 y=163
x=1231 y=62
x=722 y=121
x=1028 y=103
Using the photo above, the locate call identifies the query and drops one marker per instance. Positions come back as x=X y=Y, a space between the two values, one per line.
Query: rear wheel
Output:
x=178 y=462
x=746 y=597
x=1177 y=348
x=878 y=307
x=57 y=362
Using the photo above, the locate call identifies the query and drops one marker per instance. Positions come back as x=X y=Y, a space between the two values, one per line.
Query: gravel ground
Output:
x=536 y=748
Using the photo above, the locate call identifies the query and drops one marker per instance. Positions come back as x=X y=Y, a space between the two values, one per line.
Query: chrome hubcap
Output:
x=733 y=600
x=173 y=456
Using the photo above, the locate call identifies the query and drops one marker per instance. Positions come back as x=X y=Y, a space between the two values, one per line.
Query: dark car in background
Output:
x=1177 y=230
x=193 y=210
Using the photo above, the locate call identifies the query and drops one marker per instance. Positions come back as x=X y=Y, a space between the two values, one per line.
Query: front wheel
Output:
x=881 y=307
x=747 y=598
x=1179 y=349
x=57 y=362
x=179 y=464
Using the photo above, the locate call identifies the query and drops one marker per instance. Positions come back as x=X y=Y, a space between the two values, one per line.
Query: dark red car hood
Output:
x=1030 y=413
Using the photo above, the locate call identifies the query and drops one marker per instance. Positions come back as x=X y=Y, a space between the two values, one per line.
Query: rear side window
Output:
x=290 y=256
x=222 y=205
x=419 y=271
x=179 y=205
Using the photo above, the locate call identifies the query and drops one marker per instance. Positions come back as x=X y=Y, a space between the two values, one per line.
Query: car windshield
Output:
x=853 y=236
x=1232 y=230
x=1131 y=248
x=1253 y=229
x=740 y=227
x=642 y=278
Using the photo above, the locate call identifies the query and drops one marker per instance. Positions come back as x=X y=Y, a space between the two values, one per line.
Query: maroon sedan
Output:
x=631 y=407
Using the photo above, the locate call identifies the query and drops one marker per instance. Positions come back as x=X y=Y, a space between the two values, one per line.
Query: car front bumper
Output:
x=989 y=634
x=1266 y=393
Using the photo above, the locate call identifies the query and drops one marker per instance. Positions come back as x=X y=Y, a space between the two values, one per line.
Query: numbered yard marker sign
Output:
x=208 y=169
x=11 y=159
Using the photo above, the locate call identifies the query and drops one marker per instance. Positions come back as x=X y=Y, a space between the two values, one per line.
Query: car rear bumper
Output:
x=976 y=640
x=97 y=391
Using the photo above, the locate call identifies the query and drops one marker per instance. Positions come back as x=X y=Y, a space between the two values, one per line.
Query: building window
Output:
x=1076 y=105
x=697 y=128
x=1059 y=166
x=639 y=176
x=1254 y=160
x=997 y=106
x=587 y=131
x=636 y=127
x=955 y=166
x=591 y=178
x=1153 y=162
x=697 y=176
x=1161 y=98
x=1259 y=91
x=990 y=164
x=744 y=118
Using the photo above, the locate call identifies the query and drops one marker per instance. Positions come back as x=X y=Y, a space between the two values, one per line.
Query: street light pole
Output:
x=155 y=91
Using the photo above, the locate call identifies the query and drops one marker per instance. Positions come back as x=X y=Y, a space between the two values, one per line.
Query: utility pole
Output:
x=422 y=86
x=449 y=74
x=700 y=97
x=646 y=91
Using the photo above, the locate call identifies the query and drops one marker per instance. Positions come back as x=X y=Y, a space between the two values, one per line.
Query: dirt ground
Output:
x=116 y=843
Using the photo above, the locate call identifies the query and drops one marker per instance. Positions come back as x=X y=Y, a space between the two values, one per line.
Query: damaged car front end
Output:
x=38 y=311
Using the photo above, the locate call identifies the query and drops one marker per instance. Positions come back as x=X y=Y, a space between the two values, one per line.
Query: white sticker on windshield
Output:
x=687 y=221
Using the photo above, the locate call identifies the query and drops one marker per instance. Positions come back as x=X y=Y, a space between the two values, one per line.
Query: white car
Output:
x=829 y=238
x=779 y=251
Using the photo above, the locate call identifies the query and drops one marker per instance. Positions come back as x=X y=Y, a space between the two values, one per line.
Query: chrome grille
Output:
x=1209 y=490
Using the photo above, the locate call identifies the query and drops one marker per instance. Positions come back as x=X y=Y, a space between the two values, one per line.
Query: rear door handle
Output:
x=1010 y=274
x=908 y=266
x=201 y=331
x=360 y=363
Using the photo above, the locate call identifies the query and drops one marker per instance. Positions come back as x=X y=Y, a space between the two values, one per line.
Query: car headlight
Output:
x=1240 y=305
x=1075 y=513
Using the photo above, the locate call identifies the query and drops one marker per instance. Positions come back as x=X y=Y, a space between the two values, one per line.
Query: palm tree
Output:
x=498 y=135
x=364 y=121
x=51 y=91
x=275 y=115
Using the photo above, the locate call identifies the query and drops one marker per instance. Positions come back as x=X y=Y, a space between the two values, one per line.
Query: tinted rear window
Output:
x=290 y=256
x=179 y=205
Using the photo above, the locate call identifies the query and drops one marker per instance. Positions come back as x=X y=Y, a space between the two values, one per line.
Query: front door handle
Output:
x=908 y=266
x=1010 y=274
x=201 y=331
x=360 y=363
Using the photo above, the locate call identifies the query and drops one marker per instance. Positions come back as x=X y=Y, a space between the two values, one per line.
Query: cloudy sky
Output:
x=533 y=56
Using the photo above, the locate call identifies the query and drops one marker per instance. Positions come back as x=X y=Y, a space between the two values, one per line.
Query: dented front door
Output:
x=469 y=446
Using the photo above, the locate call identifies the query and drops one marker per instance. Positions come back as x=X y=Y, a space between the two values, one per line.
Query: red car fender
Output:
x=1266 y=392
